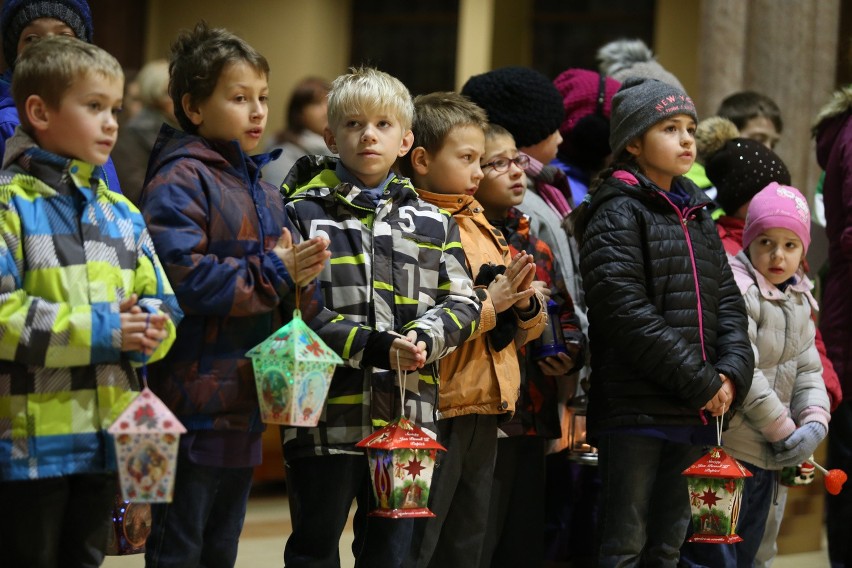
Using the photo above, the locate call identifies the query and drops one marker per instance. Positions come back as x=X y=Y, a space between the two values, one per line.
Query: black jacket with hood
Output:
x=665 y=315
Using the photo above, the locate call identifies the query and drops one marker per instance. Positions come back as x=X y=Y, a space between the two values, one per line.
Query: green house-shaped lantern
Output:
x=401 y=458
x=146 y=438
x=716 y=483
x=293 y=369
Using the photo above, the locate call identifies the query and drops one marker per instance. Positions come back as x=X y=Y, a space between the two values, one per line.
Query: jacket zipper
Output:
x=684 y=219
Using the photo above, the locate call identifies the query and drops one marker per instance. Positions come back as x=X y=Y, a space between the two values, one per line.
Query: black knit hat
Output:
x=17 y=14
x=521 y=100
x=740 y=169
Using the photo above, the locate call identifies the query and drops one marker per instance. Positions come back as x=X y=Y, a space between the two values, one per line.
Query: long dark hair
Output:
x=578 y=218
x=308 y=91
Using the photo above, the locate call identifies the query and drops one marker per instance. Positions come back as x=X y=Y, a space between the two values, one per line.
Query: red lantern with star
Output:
x=146 y=439
x=715 y=494
x=292 y=370
x=401 y=459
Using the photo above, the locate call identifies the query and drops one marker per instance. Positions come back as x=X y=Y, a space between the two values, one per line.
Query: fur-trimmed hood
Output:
x=829 y=122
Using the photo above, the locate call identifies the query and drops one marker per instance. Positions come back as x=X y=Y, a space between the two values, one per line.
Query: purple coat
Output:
x=834 y=154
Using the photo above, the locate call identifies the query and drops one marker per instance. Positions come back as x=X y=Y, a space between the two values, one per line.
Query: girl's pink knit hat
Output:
x=778 y=206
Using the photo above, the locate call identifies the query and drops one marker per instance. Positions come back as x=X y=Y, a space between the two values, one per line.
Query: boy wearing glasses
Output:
x=515 y=534
x=480 y=380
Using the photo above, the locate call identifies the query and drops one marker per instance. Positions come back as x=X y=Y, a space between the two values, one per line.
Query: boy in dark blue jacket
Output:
x=219 y=228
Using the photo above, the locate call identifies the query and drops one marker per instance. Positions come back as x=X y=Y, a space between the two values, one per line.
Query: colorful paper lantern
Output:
x=716 y=483
x=401 y=457
x=293 y=369
x=146 y=438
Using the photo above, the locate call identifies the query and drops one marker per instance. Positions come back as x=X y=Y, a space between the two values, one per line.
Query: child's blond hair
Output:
x=366 y=89
x=49 y=67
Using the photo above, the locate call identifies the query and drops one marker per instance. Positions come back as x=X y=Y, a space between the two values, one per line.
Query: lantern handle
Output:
x=144 y=371
x=719 y=422
x=400 y=376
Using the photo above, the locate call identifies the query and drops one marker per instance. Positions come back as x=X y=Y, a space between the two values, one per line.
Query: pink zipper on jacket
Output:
x=684 y=217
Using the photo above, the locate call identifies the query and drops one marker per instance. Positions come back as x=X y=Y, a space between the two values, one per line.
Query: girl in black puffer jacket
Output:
x=667 y=325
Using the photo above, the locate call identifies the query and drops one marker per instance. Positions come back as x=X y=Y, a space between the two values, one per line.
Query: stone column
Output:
x=786 y=49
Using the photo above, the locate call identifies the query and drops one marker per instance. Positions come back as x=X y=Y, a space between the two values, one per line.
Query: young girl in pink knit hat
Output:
x=786 y=412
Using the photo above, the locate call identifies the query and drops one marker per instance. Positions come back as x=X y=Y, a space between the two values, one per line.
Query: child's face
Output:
x=760 y=129
x=505 y=182
x=236 y=109
x=41 y=28
x=545 y=151
x=85 y=125
x=666 y=150
x=368 y=144
x=454 y=169
x=777 y=254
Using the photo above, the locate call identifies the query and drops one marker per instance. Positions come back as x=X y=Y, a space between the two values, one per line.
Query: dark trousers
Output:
x=460 y=493
x=839 y=507
x=571 y=516
x=644 y=500
x=758 y=494
x=321 y=490
x=59 y=521
x=515 y=533
x=202 y=524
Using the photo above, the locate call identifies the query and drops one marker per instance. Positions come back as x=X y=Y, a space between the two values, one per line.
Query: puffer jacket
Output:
x=788 y=373
x=397 y=265
x=834 y=155
x=476 y=379
x=70 y=253
x=215 y=223
x=665 y=315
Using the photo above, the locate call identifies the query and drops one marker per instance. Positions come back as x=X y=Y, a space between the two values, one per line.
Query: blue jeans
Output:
x=321 y=490
x=58 y=521
x=644 y=499
x=758 y=493
x=202 y=524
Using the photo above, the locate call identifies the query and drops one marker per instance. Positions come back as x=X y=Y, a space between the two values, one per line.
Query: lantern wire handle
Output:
x=145 y=357
x=296 y=280
x=400 y=378
x=719 y=421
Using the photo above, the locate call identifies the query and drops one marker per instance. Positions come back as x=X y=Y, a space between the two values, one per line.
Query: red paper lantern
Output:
x=402 y=459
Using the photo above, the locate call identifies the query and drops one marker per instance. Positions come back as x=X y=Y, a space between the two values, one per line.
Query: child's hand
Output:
x=309 y=257
x=561 y=364
x=513 y=288
x=405 y=355
x=140 y=331
x=723 y=398
x=542 y=287
x=800 y=445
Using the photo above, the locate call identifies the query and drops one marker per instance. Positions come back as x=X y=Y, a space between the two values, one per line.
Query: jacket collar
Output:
x=452 y=202
x=59 y=173
x=746 y=275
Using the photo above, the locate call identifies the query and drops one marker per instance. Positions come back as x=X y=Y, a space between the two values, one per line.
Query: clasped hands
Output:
x=514 y=287
x=723 y=399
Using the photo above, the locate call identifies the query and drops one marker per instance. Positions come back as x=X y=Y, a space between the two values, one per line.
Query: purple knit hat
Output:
x=778 y=206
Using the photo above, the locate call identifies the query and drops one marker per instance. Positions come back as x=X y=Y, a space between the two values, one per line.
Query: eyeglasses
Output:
x=502 y=164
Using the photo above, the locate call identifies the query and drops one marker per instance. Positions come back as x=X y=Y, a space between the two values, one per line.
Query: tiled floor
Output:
x=268 y=524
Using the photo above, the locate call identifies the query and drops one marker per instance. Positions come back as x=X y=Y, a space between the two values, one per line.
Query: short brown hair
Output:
x=435 y=116
x=49 y=67
x=197 y=59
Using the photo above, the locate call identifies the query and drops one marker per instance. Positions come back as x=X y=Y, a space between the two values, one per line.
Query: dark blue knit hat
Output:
x=17 y=14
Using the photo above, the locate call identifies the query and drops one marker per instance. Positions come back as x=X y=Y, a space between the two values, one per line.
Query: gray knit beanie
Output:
x=640 y=104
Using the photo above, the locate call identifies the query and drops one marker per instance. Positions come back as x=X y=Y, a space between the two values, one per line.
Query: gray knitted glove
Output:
x=800 y=445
